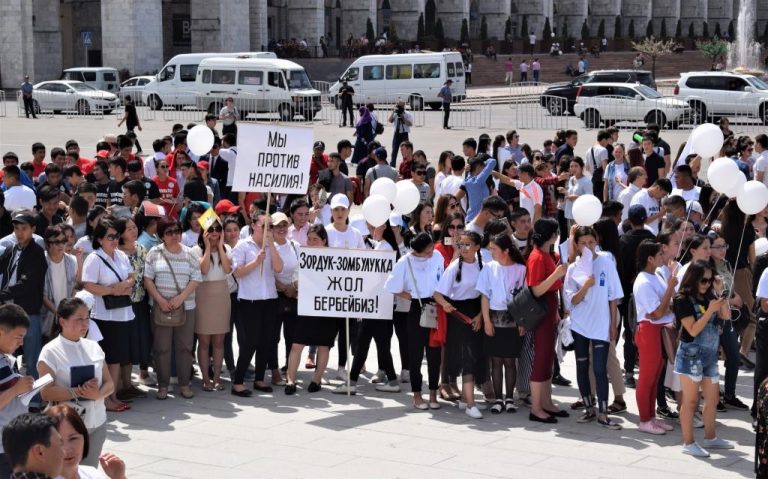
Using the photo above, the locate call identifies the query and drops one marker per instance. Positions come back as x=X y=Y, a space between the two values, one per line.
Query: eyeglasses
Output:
x=722 y=246
x=162 y=167
x=171 y=232
x=464 y=245
x=706 y=280
x=455 y=227
x=217 y=229
x=111 y=237
x=497 y=214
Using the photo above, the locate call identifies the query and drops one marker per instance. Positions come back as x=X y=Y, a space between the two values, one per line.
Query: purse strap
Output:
x=171 y=269
x=413 y=277
x=110 y=267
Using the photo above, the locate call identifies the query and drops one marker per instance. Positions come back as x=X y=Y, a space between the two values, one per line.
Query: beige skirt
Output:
x=212 y=307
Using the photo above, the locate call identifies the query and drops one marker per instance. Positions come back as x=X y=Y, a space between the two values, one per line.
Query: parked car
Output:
x=67 y=95
x=714 y=94
x=556 y=107
x=610 y=103
x=134 y=87
x=100 y=78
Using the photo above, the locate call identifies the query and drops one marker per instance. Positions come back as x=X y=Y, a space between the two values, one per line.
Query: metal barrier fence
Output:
x=383 y=105
x=41 y=110
x=323 y=87
x=474 y=112
x=527 y=89
x=3 y=111
x=666 y=87
x=543 y=112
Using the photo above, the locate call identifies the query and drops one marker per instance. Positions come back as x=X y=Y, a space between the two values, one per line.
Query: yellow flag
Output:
x=207 y=219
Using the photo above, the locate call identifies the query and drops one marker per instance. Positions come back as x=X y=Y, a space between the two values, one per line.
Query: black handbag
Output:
x=112 y=301
x=526 y=309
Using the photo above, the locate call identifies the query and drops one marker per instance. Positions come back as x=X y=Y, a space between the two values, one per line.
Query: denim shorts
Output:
x=697 y=362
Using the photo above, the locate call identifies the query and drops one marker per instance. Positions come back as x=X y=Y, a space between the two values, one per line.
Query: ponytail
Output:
x=458 y=273
x=480 y=259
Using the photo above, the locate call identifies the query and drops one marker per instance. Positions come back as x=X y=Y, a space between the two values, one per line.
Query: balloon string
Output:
x=682 y=240
x=736 y=260
x=712 y=209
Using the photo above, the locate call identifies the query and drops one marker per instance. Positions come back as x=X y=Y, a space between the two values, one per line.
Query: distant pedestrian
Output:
x=447 y=95
x=509 y=67
x=524 y=71
x=228 y=116
x=532 y=41
x=604 y=45
x=468 y=73
x=131 y=120
x=582 y=66
x=536 y=67
x=26 y=95
x=346 y=93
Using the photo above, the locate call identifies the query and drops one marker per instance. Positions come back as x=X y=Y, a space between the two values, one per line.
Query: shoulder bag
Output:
x=526 y=309
x=175 y=317
x=112 y=301
x=428 y=318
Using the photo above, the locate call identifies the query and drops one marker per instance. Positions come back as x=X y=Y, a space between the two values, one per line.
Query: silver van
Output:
x=100 y=78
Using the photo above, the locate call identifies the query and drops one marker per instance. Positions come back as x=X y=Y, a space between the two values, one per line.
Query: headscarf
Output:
x=365 y=116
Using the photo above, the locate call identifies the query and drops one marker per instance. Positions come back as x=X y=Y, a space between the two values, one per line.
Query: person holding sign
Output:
x=415 y=278
x=287 y=290
x=255 y=261
x=311 y=330
x=80 y=374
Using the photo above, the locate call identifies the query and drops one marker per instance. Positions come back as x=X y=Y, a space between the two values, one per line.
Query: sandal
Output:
x=608 y=423
x=455 y=393
x=207 y=387
x=186 y=392
x=310 y=364
x=445 y=392
x=120 y=408
x=218 y=387
x=509 y=406
x=617 y=407
x=498 y=407
x=162 y=394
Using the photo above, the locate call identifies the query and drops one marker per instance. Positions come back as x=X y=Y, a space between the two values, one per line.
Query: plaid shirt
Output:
x=549 y=204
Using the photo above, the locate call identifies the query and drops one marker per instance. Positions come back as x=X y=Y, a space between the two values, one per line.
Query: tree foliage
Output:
x=649 y=29
x=420 y=29
x=483 y=30
x=369 y=33
x=601 y=29
x=585 y=30
x=524 y=27
x=663 y=32
x=653 y=48
x=731 y=31
x=713 y=49
x=508 y=29
x=705 y=30
x=547 y=32
x=718 y=32
x=440 y=33
x=691 y=31
x=632 y=28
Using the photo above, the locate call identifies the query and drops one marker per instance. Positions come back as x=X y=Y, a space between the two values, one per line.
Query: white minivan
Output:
x=100 y=78
x=257 y=86
x=414 y=77
x=174 y=84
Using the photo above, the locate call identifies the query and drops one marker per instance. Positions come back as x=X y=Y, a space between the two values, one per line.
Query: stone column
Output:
x=537 y=12
x=46 y=31
x=720 y=11
x=132 y=35
x=603 y=11
x=306 y=19
x=354 y=17
x=259 y=12
x=405 y=18
x=220 y=25
x=452 y=12
x=496 y=13
x=17 y=54
x=637 y=11
x=693 y=11
x=573 y=13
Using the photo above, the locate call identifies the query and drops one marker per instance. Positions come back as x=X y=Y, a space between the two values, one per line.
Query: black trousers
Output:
x=400 y=322
x=341 y=325
x=346 y=106
x=630 y=350
x=379 y=330
x=257 y=319
x=29 y=107
x=761 y=354
x=286 y=317
x=229 y=357
x=229 y=129
x=418 y=342
x=446 y=113
x=397 y=138
x=136 y=141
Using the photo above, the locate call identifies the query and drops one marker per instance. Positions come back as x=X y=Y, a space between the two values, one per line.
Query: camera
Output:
x=400 y=110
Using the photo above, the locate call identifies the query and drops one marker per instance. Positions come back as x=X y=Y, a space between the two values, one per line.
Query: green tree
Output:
x=679 y=30
x=464 y=37
x=392 y=33
x=420 y=29
x=705 y=30
x=731 y=31
x=649 y=29
x=663 y=32
x=653 y=48
x=369 y=34
x=632 y=28
x=617 y=28
x=712 y=49
x=601 y=29
x=547 y=32
x=483 y=30
x=691 y=31
x=718 y=32
x=508 y=29
x=440 y=34
x=585 y=30
x=524 y=27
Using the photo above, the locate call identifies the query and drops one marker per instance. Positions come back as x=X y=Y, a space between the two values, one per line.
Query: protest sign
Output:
x=273 y=159
x=345 y=283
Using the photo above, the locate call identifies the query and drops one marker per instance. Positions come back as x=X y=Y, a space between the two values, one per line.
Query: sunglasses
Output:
x=421 y=172
x=162 y=167
x=455 y=227
x=217 y=229
x=464 y=245
x=706 y=280
x=171 y=232
x=112 y=237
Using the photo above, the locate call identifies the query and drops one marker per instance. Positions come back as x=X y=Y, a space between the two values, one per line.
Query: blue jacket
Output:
x=476 y=190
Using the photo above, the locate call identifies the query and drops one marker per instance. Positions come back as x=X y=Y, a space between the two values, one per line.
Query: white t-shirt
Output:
x=595 y=156
x=189 y=238
x=592 y=316
x=576 y=186
x=762 y=285
x=351 y=238
x=500 y=283
x=761 y=164
x=58 y=280
x=20 y=197
x=472 y=227
x=651 y=207
x=324 y=217
x=427 y=272
x=84 y=244
x=625 y=198
x=289 y=253
x=230 y=156
x=464 y=289
x=15 y=407
x=216 y=271
x=648 y=292
x=688 y=195
x=450 y=185
x=95 y=271
x=259 y=284
x=61 y=355
x=530 y=196
x=87 y=472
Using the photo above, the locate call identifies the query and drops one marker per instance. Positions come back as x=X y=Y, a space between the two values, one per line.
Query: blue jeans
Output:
x=729 y=340
x=600 y=359
x=698 y=359
x=33 y=344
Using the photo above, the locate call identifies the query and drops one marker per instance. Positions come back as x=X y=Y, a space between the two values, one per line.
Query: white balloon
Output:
x=734 y=190
x=723 y=174
x=587 y=209
x=407 y=198
x=707 y=140
x=384 y=187
x=752 y=197
x=376 y=210
x=200 y=140
x=358 y=222
x=761 y=246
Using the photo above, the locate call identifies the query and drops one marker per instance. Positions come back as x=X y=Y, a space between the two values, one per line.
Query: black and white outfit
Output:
x=286 y=307
x=400 y=134
x=500 y=284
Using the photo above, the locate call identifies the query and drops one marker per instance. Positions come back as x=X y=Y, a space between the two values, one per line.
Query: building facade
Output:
x=42 y=37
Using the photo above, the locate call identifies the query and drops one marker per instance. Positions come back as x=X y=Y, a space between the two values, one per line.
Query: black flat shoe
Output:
x=245 y=393
x=548 y=420
x=290 y=389
x=264 y=389
x=560 y=380
x=559 y=413
x=313 y=387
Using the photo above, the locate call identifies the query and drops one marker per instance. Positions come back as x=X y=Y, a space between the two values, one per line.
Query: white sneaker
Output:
x=695 y=450
x=474 y=413
x=717 y=443
x=342 y=389
x=150 y=380
x=379 y=377
x=697 y=422
x=480 y=406
x=388 y=387
x=341 y=374
x=405 y=376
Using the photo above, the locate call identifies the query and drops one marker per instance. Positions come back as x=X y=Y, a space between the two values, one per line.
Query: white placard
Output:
x=273 y=159
x=345 y=283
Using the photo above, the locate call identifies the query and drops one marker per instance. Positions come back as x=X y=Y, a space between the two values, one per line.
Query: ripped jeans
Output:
x=600 y=360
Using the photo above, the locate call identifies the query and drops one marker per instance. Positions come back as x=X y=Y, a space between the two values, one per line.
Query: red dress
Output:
x=438 y=336
x=540 y=266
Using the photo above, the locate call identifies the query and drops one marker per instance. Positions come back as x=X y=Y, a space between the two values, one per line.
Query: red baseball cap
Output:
x=226 y=207
x=202 y=164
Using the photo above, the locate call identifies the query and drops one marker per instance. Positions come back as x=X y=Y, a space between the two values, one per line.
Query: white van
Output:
x=257 y=86
x=100 y=78
x=173 y=85
x=414 y=77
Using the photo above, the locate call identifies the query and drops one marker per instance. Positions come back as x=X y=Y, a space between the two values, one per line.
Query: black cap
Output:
x=319 y=145
x=24 y=218
x=637 y=214
x=381 y=153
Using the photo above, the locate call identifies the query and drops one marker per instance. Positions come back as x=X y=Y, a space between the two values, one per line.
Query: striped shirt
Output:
x=186 y=267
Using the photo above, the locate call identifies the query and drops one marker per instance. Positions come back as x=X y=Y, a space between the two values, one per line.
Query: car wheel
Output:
x=107 y=112
x=555 y=106
x=83 y=108
x=592 y=118
x=285 y=111
x=656 y=117
x=417 y=103
x=155 y=103
x=435 y=105
x=698 y=113
x=308 y=115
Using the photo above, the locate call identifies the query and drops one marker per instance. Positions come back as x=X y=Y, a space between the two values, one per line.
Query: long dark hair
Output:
x=645 y=250
x=505 y=243
x=388 y=235
x=201 y=240
x=447 y=222
x=493 y=228
x=692 y=243
x=475 y=238
x=689 y=286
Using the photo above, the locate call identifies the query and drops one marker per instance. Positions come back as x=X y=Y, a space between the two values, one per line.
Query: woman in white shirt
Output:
x=287 y=285
x=415 y=278
x=653 y=297
x=592 y=288
x=340 y=233
x=460 y=300
x=85 y=244
x=77 y=443
x=80 y=375
x=498 y=283
x=190 y=225
x=212 y=303
x=578 y=185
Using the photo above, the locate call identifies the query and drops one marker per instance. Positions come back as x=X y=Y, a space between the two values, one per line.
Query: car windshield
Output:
x=648 y=92
x=298 y=80
x=757 y=83
x=81 y=87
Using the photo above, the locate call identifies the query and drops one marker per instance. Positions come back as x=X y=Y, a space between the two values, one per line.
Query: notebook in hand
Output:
x=79 y=375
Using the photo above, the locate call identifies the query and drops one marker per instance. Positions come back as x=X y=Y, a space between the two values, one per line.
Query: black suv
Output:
x=559 y=98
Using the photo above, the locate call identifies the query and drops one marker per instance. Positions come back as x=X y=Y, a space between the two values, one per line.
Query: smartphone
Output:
x=448 y=241
x=726 y=294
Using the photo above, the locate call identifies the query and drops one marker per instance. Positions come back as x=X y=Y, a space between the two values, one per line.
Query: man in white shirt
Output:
x=650 y=198
x=161 y=146
x=635 y=182
x=452 y=183
x=596 y=158
x=401 y=124
x=686 y=186
x=228 y=153
x=761 y=164
x=531 y=194
x=17 y=196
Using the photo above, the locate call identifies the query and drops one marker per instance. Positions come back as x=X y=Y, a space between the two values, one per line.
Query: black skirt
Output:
x=464 y=347
x=315 y=331
x=505 y=343
x=117 y=340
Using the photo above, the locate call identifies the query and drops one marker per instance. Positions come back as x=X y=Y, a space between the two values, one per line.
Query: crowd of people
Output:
x=110 y=264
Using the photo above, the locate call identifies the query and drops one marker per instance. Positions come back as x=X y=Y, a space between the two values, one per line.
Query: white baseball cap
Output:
x=694 y=207
x=338 y=200
x=396 y=219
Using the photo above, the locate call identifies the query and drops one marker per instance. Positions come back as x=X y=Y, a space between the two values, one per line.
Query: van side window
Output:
x=375 y=72
x=451 y=70
x=426 y=70
x=399 y=72
x=89 y=76
x=276 y=79
x=459 y=69
x=110 y=76
x=206 y=76
x=351 y=74
x=168 y=73
x=223 y=77
x=188 y=73
x=250 y=78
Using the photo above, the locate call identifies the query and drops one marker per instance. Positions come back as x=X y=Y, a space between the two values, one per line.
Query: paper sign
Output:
x=273 y=159
x=207 y=219
x=38 y=385
x=582 y=269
